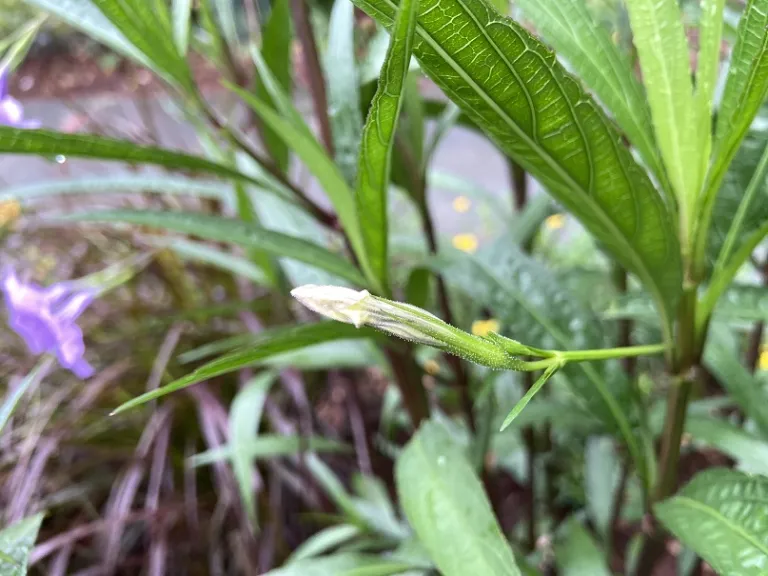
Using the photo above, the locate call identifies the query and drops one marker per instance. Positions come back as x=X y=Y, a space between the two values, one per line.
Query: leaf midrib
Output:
x=640 y=266
x=727 y=522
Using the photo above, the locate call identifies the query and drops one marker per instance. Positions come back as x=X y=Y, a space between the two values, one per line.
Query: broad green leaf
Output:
x=264 y=446
x=182 y=13
x=377 y=141
x=148 y=27
x=720 y=357
x=14 y=395
x=743 y=304
x=16 y=542
x=659 y=37
x=723 y=516
x=528 y=396
x=745 y=91
x=244 y=421
x=268 y=344
x=447 y=508
x=533 y=307
x=317 y=161
x=343 y=89
x=512 y=87
x=576 y=36
x=708 y=67
x=47 y=143
x=229 y=230
x=171 y=185
x=323 y=541
x=84 y=16
x=601 y=478
x=749 y=451
x=276 y=48
x=577 y=554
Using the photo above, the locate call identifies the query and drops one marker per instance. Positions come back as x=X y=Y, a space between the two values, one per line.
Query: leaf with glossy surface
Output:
x=48 y=143
x=182 y=13
x=445 y=503
x=512 y=87
x=229 y=230
x=244 y=421
x=343 y=89
x=267 y=344
x=377 y=141
x=588 y=47
x=16 y=542
x=723 y=516
x=659 y=37
x=577 y=554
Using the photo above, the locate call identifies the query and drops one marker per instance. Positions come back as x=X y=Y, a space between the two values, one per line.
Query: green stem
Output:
x=608 y=353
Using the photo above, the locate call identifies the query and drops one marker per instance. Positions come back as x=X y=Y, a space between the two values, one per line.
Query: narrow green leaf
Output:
x=18 y=51
x=661 y=45
x=276 y=47
x=745 y=91
x=323 y=541
x=378 y=139
x=572 y=31
x=84 y=16
x=535 y=112
x=720 y=356
x=268 y=344
x=447 y=508
x=147 y=26
x=244 y=421
x=16 y=542
x=346 y=564
x=182 y=13
x=48 y=143
x=225 y=10
x=343 y=89
x=722 y=515
x=548 y=373
x=229 y=230
x=29 y=381
x=710 y=45
x=264 y=446
x=577 y=554
x=317 y=161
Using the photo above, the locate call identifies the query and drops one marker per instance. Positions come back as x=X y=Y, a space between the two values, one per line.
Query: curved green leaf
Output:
x=659 y=37
x=264 y=446
x=572 y=31
x=324 y=540
x=48 y=143
x=749 y=451
x=445 y=503
x=723 y=516
x=16 y=542
x=343 y=88
x=512 y=87
x=230 y=230
x=523 y=402
x=266 y=345
x=377 y=141
x=577 y=554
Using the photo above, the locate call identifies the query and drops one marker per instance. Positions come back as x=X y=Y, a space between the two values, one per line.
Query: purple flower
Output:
x=11 y=112
x=45 y=319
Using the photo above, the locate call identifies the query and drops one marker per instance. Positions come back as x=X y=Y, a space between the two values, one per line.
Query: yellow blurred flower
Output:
x=555 y=222
x=484 y=327
x=461 y=204
x=431 y=367
x=764 y=358
x=465 y=243
x=10 y=210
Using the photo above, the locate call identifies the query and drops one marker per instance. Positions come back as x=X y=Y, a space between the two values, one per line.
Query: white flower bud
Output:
x=335 y=302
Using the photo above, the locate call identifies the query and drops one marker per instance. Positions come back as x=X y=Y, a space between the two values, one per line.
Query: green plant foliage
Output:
x=721 y=515
x=16 y=542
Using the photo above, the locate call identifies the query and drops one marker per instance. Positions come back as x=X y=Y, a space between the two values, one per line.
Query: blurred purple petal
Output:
x=11 y=111
x=45 y=319
x=3 y=83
